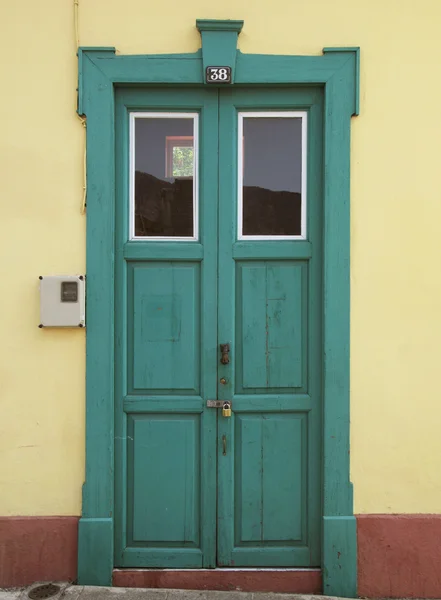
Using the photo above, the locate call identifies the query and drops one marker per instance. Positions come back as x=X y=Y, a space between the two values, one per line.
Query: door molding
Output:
x=100 y=71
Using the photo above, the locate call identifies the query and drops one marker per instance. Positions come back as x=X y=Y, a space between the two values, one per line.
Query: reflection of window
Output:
x=179 y=156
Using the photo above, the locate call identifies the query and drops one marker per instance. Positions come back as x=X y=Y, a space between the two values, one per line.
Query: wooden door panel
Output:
x=270 y=478
x=271 y=326
x=163 y=484
x=164 y=327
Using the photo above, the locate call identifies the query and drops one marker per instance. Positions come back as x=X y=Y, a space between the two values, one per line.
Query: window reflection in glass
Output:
x=164 y=165
x=272 y=176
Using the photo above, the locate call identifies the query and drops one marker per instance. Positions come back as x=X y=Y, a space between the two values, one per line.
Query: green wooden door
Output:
x=218 y=240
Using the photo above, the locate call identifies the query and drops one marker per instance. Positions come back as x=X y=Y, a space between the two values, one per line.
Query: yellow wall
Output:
x=396 y=215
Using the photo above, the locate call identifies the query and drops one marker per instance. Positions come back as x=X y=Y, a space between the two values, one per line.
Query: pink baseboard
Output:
x=37 y=549
x=399 y=556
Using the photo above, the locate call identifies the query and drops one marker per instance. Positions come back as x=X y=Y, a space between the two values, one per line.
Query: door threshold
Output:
x=287 y=581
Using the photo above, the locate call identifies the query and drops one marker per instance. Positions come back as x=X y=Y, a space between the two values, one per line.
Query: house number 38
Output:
x=218 y=75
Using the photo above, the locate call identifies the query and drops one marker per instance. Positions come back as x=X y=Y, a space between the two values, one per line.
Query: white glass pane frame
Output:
x=285 y=114
x=164 y=115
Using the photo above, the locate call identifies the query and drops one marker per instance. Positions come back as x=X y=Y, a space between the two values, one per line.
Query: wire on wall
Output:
x=84 y=198
x=82 y=119
x=76 y=20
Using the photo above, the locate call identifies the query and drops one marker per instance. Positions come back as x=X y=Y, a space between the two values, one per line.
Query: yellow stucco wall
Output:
x=396 y=245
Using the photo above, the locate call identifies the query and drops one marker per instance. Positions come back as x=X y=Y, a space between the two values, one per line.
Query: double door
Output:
x=218 y=312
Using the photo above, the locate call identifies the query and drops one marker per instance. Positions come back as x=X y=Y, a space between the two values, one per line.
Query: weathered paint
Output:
x=399 y=556
x=395 y=322
x=37 y=549
x=298 y=581
x=100 y=69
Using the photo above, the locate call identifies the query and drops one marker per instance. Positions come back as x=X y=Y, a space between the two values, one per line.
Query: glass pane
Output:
x=182 y=161
x=164 y=172
x=272 y=176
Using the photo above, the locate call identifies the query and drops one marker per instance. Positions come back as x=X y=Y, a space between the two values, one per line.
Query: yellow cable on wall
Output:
x=77 y=29
x=82 y=119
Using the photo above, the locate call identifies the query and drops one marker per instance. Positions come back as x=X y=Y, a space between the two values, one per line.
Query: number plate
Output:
x=218 y=75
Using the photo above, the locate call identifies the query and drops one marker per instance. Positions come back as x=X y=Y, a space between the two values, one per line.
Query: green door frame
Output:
x=100 y=71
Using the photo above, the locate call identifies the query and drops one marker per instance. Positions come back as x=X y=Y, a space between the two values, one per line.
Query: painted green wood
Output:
x=219 y=41
x=340 y=555
x=355 y=62
x=280 y=250
x=100 y=73
x=278 y=70
x=209 y=191
x=95 y=554
x=251 y=69
x=339 y=539
x=269 y=499
x=95 y=542
x=272 y=402
x=270 y=313
x=174 y=69
x=164 y=511
x=86 y=75
x=178 y=251
x=162 y=404
x=121 y=342
x=166 y=355
x=219 y=26
x=316 y=178
x=164 y=327
x=266 y=307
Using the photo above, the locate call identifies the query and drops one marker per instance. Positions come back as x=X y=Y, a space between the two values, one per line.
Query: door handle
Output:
x=225 y=353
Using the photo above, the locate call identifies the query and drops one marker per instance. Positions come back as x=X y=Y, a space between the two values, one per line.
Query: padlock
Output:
x=226 y=409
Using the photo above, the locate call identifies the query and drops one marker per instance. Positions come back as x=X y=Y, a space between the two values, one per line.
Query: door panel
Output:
x=270 y=310
x=271 y=336
x=171 y=515
x=268 y=499
x=165 y=326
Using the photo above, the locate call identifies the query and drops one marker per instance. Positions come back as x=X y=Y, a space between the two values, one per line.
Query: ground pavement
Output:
x=79 y=592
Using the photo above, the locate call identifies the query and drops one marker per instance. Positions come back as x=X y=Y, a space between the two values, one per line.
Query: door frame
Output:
x=100 y=71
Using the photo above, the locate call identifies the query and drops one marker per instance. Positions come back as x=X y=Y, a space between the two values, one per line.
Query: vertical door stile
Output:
x=226 y=320
x=209 y=186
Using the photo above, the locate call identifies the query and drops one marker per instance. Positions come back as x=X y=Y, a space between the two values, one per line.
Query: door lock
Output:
x=226 y=409
x=219 y=403
x=225 y=353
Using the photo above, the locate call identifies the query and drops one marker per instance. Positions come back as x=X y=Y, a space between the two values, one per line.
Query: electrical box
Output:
x=62 y=301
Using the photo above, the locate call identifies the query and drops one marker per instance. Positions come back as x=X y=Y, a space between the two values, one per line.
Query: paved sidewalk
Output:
x=78 y=592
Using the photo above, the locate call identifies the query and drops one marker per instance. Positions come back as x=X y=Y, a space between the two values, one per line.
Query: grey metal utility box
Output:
x=62 y=301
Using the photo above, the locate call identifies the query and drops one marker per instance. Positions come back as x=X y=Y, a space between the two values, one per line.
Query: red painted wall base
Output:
x=37 y=549
x=294 y=582
x=399 y=556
